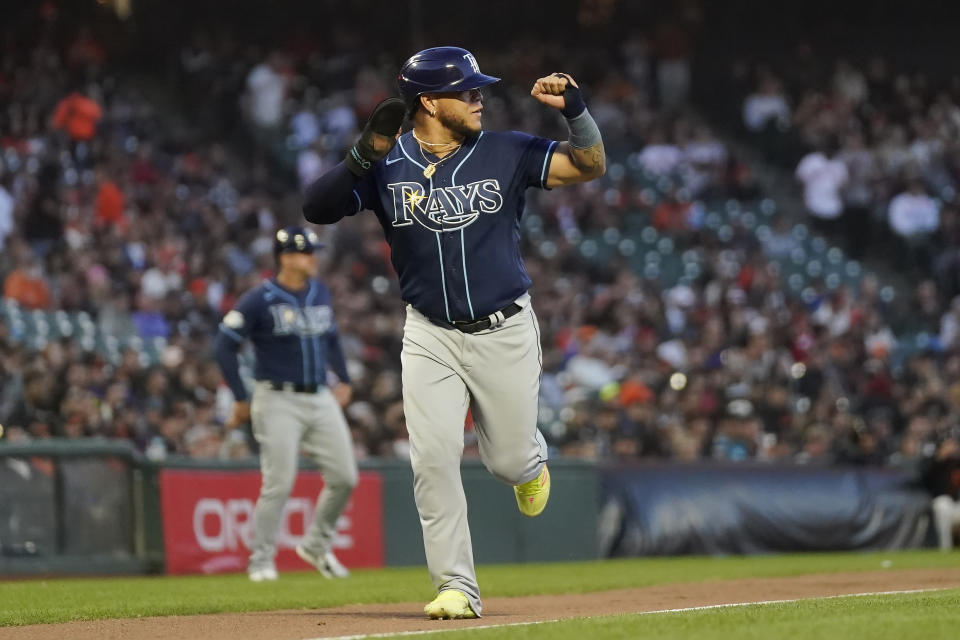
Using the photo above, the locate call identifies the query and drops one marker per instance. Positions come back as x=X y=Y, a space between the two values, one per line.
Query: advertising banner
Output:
x=208 y=520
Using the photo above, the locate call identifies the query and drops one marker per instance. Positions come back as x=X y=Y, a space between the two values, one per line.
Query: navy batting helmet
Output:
x=438 y=70
x=295 y=240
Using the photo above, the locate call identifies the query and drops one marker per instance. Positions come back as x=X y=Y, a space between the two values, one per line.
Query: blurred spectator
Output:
x=36 y=410
x=6 y=209
x=78 y=115
x=850 y=83
x=823 y=175
x=914 y=216
x=27 y=285
x=110 y=201
x=950 y=326
x=659 y=156
x=671 y=214
x=942 y=479
x=149 y=319
x=860 y=229
x=767 y=107
x=43 y=226
x=310 y=165
x=202 y=442
x=85 y=51
x=305 y=123
x=267 y=85
x=674 y=49
x=339 y=122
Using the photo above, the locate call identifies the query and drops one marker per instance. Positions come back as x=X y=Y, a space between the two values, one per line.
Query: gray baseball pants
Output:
x=946 y=516
x=496 y=373
x=283 y=421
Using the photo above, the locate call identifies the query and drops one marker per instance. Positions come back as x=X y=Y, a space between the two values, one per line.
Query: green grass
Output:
x=926 y=616
x=37 y=601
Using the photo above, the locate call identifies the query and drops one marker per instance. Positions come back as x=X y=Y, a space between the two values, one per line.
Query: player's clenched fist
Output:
x=555 y=90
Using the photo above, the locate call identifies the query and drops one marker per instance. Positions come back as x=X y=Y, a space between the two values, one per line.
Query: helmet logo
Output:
x=473 y=62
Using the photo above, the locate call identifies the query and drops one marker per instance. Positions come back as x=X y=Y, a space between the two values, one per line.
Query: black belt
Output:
x=291 y=386
x=472 y=326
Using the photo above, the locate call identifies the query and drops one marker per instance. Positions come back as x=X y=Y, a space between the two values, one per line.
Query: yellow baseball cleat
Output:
x=449 y=604
x=532 y=496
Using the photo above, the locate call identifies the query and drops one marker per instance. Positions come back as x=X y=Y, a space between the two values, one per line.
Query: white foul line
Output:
x=398 y=634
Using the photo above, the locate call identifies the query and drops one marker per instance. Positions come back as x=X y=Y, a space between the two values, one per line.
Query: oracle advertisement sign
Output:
x=208 y=521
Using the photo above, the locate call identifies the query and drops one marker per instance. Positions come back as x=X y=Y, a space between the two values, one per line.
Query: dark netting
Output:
x=27 y=507
x=97 y=506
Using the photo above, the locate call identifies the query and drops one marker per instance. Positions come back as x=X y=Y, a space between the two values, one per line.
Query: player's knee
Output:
x=509 y=469
x=277 y=486
x=344 y=479
x=342 y=476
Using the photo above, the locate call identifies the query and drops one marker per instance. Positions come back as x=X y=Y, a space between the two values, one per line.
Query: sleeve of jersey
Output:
x=335 y=357
x=336 y=194
x=534 y=156
x=233 y=330
x=225 y=352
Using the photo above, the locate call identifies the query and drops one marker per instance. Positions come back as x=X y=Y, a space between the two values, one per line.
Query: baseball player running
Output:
x=449 y=197
x=289 y=320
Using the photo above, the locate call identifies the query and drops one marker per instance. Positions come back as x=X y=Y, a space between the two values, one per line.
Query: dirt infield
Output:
x=383 y=618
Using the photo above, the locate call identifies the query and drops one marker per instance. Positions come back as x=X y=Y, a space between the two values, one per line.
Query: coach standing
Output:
x=289 y=320
x=449 y=197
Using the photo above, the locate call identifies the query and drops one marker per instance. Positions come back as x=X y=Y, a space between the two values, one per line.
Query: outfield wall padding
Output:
x=566 y=530
x=748 y=509
x=87 y=506
x=98 y=507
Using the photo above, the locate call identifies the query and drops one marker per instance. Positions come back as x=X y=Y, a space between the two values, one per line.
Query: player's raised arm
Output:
x=581 y=158
x=332 y=195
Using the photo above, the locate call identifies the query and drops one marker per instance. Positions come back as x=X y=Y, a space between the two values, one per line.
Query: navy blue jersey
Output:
x=293 y=333
x=454 y=237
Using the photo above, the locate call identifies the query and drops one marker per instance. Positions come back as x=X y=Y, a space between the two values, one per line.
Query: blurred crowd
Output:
x=152 y=213
x=875 y=147
x=731 y=368
x=108 y=206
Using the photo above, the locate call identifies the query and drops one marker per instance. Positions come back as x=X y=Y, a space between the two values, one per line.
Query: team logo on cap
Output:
x=473 y=62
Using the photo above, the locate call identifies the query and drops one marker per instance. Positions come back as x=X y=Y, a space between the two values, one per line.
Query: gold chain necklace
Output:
x=431 y=167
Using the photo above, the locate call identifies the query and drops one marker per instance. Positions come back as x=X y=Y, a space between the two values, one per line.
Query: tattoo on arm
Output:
x=590 y=160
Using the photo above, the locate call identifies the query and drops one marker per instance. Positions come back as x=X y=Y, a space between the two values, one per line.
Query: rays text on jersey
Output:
x=444 y=208
x=308 y=321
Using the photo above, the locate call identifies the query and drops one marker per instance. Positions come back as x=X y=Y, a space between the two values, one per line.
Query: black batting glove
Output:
x=378 y=136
